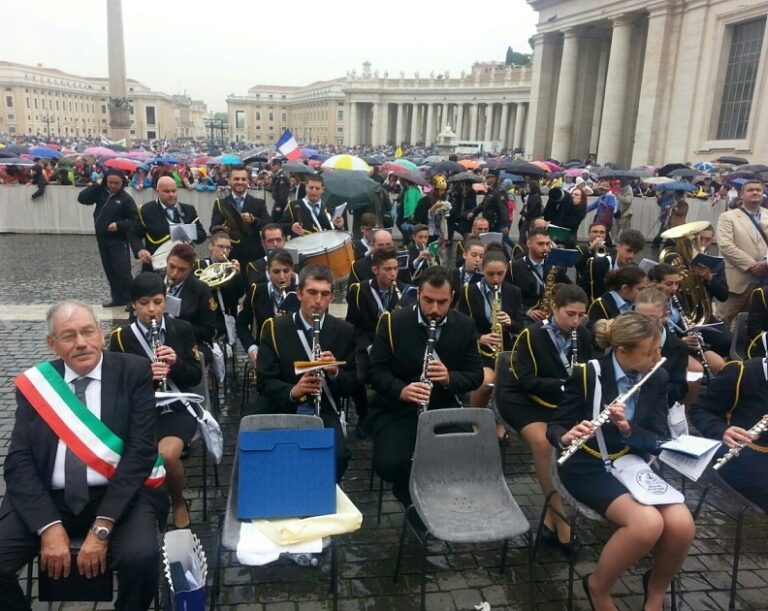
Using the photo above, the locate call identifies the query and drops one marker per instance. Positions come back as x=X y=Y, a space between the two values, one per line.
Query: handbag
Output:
x=637 y=476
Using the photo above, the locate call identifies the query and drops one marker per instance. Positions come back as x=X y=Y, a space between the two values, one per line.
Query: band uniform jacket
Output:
x=397 y=360
x=362 y=269
x=458 y=283
x=538 y=371
x=297 y=212
x=741 y=245
x=472 y=303
x=415 y=272
x=591 y=271
x=280 y=347
x=649 y=423
x=604 y=307
x=359 y=248
x=736 y=397
x=246 y=237
x=363 y=310
x=676 y=365
x=153 y=227
x=227 y=296
x=198 y=307
x=258 y=307
x=118 y=208
x=127 y=409
x=757 y=317
x=525 y=279
x=186 y=371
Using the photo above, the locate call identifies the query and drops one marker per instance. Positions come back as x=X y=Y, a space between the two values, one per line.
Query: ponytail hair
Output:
x=625 y=331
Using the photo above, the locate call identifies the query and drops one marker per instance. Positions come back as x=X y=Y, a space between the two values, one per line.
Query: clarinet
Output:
x=428 y=356
x=605 y=415
x=154 y=340
x=316 y=357
x=758 y=429
x=574 y=348
x=708 y=375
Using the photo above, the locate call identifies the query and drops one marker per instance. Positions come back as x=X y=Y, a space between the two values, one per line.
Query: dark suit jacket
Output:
x=257 y=309
x=246 y=238
x=495 y=208
x=153 y=228
x=397 y=359
x=649 y=424
x=362 y=269
x=472 y=303
x=363 y=311
x=457 y=283
x=280 y=347
x=592 y=270
x=603 y=307
x=297 y=212
x=229 y=295
x=110 y=208
x=538 y=372
x=199 y=308
x=525 y=279
x=127 y=408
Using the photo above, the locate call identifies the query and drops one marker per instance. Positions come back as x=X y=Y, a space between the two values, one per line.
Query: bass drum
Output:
x=333 y=249
x=160 y=256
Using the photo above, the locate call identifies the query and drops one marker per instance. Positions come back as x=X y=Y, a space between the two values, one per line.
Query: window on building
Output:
x=740 y=77
x=34 y=101
x=340 y=129
x=271 y=116
x=9 y=101
x=258 y=116
x=151 y=135
x=258 y=128
x=239 y=119
x=103 y=109
x=284 y=117
x=57 y=105
x=150 y=115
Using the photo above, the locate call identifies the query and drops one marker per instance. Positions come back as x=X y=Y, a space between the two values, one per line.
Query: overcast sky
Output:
x=212 y=49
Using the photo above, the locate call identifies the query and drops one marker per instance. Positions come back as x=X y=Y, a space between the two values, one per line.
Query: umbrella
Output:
x=372 y=161
x=704 y=166
x=201 y=160
x=741 y=174
x=539 y=164
x=46 y=153
x=298 y=168
x=684 y=173
x=127 y=165
x=162 y=159
x=6 y=153
x=670 y=167
x=573 y=163
x=251 y=158
x=480 y=187
x=118 y=147
x=732 y=160
x=413 y=177
x=309 y=153
x=143 y=155
x=523 y=168
x=314 y=163
x=551 y=165
x=465 y=177
x=99 y=151
x=346 y=186
x=322 y=157
x=447 y=168
x=676 y=185
x=609 y=174
x=15 y=161
x=513 y=177
x=434 y=159
x=657 y=180
x=346 y=162
x=574 y=172
x=756 y=168
x=230 y=160
x=469 y=164
x=408 y=165
x=16 y=148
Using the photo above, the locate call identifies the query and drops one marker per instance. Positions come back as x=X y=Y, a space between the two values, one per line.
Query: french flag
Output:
x=287 y=146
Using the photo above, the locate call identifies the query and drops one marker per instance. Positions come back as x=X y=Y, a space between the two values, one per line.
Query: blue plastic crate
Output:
x=286 y=473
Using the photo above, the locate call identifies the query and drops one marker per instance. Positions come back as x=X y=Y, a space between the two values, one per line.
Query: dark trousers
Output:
x=133 y=551
x=116 y=261
x=393 y=447
x=718 y=338
x=360 y=395
x=40 y=189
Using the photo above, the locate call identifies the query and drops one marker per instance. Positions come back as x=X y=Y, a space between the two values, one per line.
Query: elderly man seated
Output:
x=83 y=463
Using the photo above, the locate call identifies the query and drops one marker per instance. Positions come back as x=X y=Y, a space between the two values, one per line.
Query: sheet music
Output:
x=339 y=211
x=691 y=445
x=173 y=305
x=186 y=232
x=689 y=466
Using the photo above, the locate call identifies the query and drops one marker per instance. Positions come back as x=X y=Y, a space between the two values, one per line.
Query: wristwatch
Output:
x=101 y=532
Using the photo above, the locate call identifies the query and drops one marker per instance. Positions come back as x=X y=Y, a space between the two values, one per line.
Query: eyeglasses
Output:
x=71 y=336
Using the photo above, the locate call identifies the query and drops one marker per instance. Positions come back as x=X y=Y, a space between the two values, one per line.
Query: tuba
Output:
x=216 y=274
x=694 y=298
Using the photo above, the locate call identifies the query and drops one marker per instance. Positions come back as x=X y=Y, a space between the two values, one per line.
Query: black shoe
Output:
x=646 y=582
x=585 y=583
x=548 y=535
x=570 y=548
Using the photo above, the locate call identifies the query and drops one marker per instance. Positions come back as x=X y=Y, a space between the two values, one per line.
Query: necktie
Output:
x=239 y=202
x=75 y=475
x=384 y=299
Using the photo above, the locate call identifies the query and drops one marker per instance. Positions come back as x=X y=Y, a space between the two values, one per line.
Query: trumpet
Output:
x=316 y=357
x=429 y=353
x=700 y=354
x=758 y=429
x=605 y=415
x=154 y=340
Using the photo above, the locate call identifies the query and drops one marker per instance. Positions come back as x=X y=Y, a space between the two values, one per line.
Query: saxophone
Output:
x=545 y=303
x=496 y=327
x=398 y=294
x=428 y=356
x=316 y=357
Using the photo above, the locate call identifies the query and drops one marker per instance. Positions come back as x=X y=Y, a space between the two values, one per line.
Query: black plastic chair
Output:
x=229 y=524
x=465 y=501
x=740 y=341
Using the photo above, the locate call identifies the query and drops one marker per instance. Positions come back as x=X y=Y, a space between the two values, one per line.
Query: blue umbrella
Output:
x=162 y=159
x=704 y=166
x=44 y=152
x=512 y=177
x=230 y=160
x=676 y=186
x=309 y=153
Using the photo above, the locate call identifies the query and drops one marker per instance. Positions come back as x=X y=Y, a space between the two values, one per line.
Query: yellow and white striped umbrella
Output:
x=345 y=162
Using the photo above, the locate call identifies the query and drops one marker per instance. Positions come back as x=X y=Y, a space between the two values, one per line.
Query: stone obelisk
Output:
x=119 y=116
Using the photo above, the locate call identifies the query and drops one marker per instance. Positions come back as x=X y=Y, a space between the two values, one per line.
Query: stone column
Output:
x=414 y=123
x=520 y=126
x=609 y=148
x=472 y=121
x=459 y=120
x=375 y=124
x=538 y=136
x=429 y=136
x=566 y=96
x=399 y=125
x=352 y=124
x=503 y=124
x=488 y=122
x=384 y=120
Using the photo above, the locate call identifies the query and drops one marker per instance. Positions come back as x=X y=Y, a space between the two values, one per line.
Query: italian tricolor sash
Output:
x=86 y=435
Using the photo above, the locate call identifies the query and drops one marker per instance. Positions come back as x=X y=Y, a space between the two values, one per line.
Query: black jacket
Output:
x=604 y=307
x=757 y=319
x=246 y=237
x=525 y=279
x=198 y=307
x=110 y=208
x=258 y=307
x=363 y=310
x=297 y=212
x=472 y=303
x=153 y=228
x=676 y=365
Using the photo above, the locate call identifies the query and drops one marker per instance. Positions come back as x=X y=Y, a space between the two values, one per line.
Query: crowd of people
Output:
x=576 y=325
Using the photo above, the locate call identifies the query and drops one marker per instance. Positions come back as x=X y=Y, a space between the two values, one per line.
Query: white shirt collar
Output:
x=95 y=373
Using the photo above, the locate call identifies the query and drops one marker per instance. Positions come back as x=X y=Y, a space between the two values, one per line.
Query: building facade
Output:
x=46 y=101
x=649 y=81
x=488 y=104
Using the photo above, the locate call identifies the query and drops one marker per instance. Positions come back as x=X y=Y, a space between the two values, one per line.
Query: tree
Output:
x=517 y=59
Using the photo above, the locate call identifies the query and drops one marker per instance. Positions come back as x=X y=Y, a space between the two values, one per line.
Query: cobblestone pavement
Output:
x=460 y=576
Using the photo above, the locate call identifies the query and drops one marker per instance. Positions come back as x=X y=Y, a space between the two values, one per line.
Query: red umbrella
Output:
x=406 y=174
x=127 y=165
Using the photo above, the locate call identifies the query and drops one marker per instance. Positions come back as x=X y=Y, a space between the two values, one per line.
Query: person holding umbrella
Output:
x=494 y=206
x=114 y=218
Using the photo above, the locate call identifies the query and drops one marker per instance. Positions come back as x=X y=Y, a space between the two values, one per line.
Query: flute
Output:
x=605 y=415
x=758 y=429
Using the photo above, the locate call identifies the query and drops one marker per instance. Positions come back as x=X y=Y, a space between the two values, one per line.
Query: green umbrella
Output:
x=408 y=165
x=348 y=186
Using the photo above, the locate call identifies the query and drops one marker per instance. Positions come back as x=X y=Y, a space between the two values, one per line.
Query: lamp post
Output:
x=47 y=120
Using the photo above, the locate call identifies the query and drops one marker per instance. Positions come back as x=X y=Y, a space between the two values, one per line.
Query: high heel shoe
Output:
x=585 y=583
x=189 y=515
